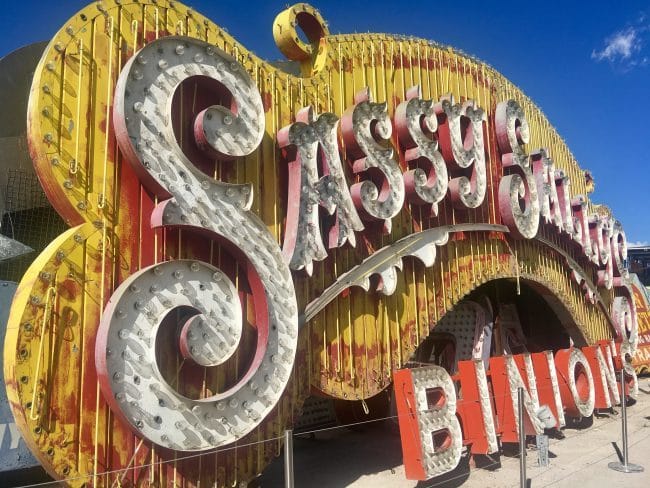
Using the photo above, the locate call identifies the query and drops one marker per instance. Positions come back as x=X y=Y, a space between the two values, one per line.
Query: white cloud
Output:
x=626 y=48
x=638 y=244
x=620 y=46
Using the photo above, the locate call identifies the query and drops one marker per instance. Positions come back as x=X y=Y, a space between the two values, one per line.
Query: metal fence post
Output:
x=522 y=439
x=624 y=467
x=288 y=458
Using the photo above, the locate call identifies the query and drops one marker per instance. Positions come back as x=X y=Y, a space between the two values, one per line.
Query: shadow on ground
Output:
x=339 y=457
x=354 y=453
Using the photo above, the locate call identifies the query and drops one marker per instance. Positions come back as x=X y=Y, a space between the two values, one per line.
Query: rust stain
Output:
x=267 y=101
x=69 y=289
x=402 y=61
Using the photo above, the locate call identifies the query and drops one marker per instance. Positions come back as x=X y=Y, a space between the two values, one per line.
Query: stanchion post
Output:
x=288 y=458
x=625 y=466
x=522 y=438
x=624 y=416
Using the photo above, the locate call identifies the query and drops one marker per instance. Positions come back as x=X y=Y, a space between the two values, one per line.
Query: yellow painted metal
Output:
x=287 y=37
x=641 y=360
x=75 y=435
x=350 y=349
x=46 y=346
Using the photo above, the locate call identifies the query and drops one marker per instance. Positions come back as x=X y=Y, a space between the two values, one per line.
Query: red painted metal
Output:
x=409 y=428
x=469 y=409
x=544 y=379
x=505 y=410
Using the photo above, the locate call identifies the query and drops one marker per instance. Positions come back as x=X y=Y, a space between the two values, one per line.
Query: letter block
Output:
x=576 y=384
x=475 y=408
x=507 y=377
x=431 y=436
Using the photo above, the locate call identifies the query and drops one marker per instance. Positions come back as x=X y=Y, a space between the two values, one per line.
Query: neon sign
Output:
x=125 y=357
x=250 y=212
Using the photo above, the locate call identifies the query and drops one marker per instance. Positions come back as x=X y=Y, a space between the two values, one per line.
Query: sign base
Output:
x=625 y=468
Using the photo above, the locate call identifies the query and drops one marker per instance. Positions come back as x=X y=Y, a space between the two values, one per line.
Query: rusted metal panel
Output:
x=106 y=175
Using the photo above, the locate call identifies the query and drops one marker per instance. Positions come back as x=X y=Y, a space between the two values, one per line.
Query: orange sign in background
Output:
x=641 y=360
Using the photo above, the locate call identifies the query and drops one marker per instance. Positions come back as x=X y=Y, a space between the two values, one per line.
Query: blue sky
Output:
x=587 y=68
